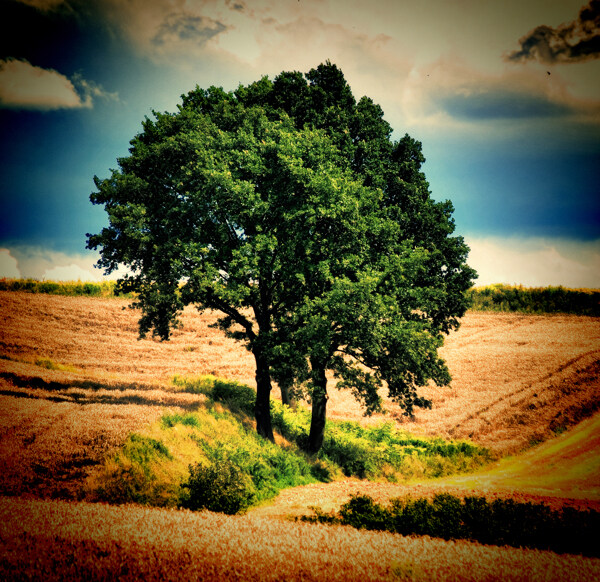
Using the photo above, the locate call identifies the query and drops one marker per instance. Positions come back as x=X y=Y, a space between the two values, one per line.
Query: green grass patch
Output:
x=379 y=452
x=499 y=522
x=207 y=458
x=535 y=299
x=52 y=365
x=213 y=458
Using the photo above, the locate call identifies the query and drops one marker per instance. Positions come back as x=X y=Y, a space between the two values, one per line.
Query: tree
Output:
x=286 y=206
x=374 y=311
x=197 y=212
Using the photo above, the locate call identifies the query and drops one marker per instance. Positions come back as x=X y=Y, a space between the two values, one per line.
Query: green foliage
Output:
x=182 y=452
x=374 y=452
x=535 y=300
x=70 y=288
x=50 y=364
x=136 y=474
x=236 y=396
x=221 y=486
x=286 y=206
x=384 y=451
x=269 y=466
x=186 y=449
x=500 y=522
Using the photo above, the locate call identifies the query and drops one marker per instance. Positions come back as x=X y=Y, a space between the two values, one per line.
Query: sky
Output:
x=504 y=96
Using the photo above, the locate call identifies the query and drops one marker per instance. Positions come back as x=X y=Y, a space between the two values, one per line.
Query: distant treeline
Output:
x=535 y=299
x=491 y=298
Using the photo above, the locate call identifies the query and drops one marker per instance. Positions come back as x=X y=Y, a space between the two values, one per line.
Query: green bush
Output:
x=362 y=512
x=270 y=467
x=384 y=451
x=236 y=396
x=221 y=486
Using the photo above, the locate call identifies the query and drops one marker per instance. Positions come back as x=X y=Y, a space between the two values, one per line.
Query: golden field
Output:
x=75 y=380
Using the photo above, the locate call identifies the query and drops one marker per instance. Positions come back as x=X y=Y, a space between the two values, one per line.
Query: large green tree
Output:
x=287 y=206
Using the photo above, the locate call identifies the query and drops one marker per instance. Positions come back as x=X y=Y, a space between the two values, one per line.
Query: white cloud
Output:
x=8 y=265
x=40 y=263
x=25 y=86
x=71 y=272
x=535 y=262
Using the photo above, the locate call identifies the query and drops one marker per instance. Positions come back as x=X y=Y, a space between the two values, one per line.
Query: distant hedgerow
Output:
x=499 y=522
x=535 y=300
x=69 y=288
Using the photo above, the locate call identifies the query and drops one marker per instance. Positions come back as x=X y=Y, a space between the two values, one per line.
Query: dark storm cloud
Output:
x=187 y=27
x=236 y=5
x=571 y=42
x=498 y=104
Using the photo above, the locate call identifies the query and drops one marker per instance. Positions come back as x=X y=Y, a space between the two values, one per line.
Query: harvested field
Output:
x=515 y=377
x=99 y=337
x=74 y=380
x=516 y=380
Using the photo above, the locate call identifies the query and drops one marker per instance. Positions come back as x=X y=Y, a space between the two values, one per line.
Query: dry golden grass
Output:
x=56 y=540
x=99 y=336
x=513 y=377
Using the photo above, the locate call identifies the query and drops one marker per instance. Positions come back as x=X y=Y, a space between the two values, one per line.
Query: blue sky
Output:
x=504 y=96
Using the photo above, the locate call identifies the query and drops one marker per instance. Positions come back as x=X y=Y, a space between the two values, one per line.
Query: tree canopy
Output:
x=287 y=206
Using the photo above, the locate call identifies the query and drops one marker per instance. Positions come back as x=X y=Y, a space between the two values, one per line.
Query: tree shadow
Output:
x=86 y=392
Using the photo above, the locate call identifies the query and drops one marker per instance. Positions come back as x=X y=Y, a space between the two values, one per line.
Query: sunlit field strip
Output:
x=54 y=540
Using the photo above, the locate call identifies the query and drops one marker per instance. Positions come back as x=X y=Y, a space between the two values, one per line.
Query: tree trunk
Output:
x=319 y=410
x=286 y=398
x=262 y=407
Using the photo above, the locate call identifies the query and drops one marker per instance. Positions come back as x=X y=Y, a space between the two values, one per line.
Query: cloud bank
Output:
x=535 y=262
x=572 y=42
x=450 y=91
x=531 y=262
x=39 y=263
x=25 y=86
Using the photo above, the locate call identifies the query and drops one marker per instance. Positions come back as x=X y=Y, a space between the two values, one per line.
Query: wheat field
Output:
x=75 y=380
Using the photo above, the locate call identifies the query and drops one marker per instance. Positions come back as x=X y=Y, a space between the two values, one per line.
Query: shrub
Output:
x=236 y=396
x=384 y=451
x=221 y=486
x=362 y=512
